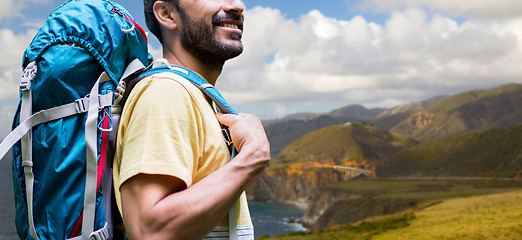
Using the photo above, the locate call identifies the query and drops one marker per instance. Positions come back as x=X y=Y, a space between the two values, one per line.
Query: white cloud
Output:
x=7 y=110
x=11 y=60
x=317 y=60
x=10 y=72
x=7 y=9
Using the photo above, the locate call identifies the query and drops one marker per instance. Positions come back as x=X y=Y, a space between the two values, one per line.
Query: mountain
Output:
x=434 y=118
x=494 y=153
x=281 y=132
x=355 y=111
x=412 y=106
x=477 y=110
x=343 y=144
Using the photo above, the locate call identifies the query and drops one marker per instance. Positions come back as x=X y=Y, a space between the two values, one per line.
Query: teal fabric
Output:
x=67 y=72
x=95 y=26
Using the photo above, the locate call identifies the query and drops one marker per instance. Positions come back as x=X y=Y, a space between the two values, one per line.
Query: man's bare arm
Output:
x=161 y=207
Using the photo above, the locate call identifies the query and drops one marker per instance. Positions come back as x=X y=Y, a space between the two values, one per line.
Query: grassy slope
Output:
x=425 y=190
x=495 y=153
x=343 y=143
x=497 y=216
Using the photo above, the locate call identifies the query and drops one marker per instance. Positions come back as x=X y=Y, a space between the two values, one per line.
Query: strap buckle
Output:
x=80 y=105
x=28 y=75
x=102 y=234
x=226 y=135
x=27 y=163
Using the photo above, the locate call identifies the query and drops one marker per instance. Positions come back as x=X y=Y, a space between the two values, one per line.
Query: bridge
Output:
x=352 y=171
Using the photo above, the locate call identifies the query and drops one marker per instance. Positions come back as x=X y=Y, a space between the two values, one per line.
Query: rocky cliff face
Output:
x=321 y=203
x=303 y=184
x=297 y=183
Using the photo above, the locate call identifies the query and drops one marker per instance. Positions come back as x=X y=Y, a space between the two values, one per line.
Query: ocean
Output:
x=272 y=219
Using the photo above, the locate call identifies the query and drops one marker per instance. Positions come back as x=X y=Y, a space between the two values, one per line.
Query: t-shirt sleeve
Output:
x=161 y=135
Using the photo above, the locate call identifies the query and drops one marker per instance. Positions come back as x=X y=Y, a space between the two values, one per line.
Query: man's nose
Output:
x=234 y=6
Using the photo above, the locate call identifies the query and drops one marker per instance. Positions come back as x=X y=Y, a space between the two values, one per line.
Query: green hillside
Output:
x=341 y=144
x=497 y=216
x=461 y=113
x=494 y=153
x=489 y=217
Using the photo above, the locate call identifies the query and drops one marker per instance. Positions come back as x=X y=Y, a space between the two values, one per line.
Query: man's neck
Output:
x=185 y=59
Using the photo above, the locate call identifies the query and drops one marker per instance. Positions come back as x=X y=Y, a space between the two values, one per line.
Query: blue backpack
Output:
x=75 y=67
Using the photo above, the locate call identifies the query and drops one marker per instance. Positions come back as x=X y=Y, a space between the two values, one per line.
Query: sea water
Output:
x=273 y=219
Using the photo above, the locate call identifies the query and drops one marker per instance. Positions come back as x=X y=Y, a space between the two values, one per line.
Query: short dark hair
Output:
x=150 y=18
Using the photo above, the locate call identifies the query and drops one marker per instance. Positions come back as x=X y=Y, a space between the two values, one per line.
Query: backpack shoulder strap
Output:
x=137 y=71
x=198 y=81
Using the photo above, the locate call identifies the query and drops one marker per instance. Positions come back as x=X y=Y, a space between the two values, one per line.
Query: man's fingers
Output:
x=226 y=119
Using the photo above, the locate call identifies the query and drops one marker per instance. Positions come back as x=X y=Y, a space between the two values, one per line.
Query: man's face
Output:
x=212 y=29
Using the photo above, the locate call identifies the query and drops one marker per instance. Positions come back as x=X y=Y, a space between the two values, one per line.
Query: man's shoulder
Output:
x=167 y=88
x=168 y=81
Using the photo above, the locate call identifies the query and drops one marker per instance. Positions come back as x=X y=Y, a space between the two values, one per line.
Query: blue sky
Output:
x=314 y=56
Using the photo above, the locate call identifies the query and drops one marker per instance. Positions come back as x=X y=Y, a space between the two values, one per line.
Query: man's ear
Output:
x=166 y=14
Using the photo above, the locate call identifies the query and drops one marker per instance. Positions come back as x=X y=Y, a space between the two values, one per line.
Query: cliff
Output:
x=297 y=183
x=329 y=155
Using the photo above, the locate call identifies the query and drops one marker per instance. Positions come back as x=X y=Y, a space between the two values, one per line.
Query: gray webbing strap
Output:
x=133 y=67
x=79 y=106
x=91 y=148
x=26 y=109
x=232 y=225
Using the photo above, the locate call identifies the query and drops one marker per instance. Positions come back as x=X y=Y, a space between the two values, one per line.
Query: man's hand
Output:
x=249 y=137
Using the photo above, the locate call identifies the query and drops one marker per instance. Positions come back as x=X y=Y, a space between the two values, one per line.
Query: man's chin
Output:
x=233 y=47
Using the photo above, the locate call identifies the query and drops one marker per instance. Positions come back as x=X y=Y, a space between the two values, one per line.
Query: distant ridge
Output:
x=470 y=111
x=494 y=153
x=412 y=106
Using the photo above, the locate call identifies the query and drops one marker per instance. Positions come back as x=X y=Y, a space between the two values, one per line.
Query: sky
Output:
x=315 y=56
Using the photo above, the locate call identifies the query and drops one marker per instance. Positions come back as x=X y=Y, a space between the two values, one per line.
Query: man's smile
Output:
x=229 y=25
x=234 y=23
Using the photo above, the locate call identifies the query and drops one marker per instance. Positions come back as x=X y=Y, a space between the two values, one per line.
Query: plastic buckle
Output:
x=25 y=85
x=102 y=234
x=27 y=163
x=226 y=135
x=79 y=105
x=28 y=75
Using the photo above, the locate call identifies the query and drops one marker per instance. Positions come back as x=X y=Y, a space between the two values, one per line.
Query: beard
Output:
x=199 y=38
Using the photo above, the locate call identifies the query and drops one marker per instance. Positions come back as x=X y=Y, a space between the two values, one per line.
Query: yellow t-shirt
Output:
x=169 y=128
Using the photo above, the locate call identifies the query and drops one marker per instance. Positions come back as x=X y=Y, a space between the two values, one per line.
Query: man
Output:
x=172 y=167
